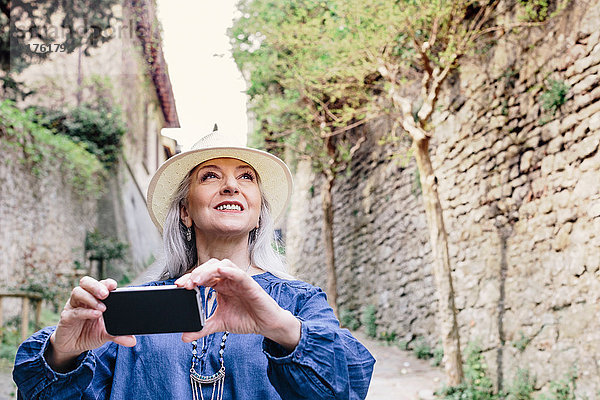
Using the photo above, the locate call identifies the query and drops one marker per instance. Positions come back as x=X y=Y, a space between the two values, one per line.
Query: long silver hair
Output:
x=181 y=255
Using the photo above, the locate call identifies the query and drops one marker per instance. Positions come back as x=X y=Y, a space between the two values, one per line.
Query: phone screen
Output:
x=153 y=309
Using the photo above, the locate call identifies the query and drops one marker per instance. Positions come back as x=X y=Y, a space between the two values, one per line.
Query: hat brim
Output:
x=275 y=178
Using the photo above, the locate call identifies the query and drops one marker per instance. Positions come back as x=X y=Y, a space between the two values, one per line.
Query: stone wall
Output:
x=520 y=187
x=43 y=224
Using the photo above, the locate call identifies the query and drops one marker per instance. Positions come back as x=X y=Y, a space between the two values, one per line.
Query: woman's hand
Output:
x=242 y=305
x=81 y=326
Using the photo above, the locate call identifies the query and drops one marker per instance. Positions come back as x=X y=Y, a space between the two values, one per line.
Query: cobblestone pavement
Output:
x=398 y=375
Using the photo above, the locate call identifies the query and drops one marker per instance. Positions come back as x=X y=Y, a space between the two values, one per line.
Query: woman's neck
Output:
x=234 y=249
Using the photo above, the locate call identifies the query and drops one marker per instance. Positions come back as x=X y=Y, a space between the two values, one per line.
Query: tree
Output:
x=296 y=98
x=64 y=25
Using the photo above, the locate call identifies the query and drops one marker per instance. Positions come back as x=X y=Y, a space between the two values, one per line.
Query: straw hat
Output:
x=275 y=176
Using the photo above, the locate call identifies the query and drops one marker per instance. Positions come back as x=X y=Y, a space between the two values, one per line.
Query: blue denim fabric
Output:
x=328 y=362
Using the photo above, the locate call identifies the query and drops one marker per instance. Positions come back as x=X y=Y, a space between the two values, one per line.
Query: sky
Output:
x=207 y=85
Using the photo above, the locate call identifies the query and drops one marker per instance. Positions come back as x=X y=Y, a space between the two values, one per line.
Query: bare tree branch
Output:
x=351 y=126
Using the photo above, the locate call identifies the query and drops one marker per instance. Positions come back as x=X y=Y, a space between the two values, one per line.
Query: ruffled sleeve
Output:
x=327 y=363
x=37 y=380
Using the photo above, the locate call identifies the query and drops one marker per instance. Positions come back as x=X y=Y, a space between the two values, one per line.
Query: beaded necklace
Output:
x=218 y=378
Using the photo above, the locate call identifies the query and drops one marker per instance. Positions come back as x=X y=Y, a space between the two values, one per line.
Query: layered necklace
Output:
x=217 y=379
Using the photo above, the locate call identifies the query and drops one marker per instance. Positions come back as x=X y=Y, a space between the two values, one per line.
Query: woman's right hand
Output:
x=81 y=326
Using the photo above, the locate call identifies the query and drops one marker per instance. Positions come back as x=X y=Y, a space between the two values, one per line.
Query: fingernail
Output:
x=101 y=307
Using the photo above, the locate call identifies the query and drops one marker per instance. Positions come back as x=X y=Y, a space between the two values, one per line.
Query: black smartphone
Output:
x=146 y=310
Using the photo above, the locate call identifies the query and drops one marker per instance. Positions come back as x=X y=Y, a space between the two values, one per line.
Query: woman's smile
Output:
x=230 y=206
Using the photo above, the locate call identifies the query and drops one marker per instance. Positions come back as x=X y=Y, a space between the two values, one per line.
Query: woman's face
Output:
x=224 y=198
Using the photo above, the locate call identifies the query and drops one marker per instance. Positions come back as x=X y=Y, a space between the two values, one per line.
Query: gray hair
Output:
x=181 y=255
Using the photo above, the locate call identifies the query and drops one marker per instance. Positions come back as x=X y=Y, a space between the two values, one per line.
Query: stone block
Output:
x=577 y=261
x=539 y=186
x=555 y=145
x=546 y=338
x=593 y=209
x=592 y=264
x=526 y=159
x=574 y=53
x=593 y=40
x=547 y=165
x=574 y=321
x=594 y=122
x=500 y=158
x=564 y=215
x=587 y=185
x=561 y=241
x=513 y=173
x=545 y=205
x=533 y=141
x=581 y=232
x=591 y=163
x=584 y=63
x=560 y=162
x=586 y=147
x=550 y=130
x=585 y=84
x=507 y=192
x=495 y=193
x=512 y=151
x=569 y=122
x=580 y=130
x=519 y=181
x=588 y=111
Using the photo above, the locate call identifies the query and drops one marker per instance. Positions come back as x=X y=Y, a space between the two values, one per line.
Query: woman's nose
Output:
x=230 y=185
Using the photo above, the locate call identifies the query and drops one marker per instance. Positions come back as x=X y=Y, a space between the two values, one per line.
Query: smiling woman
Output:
x=266 y=335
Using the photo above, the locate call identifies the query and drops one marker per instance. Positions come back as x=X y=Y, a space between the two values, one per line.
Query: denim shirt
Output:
x=327 y=363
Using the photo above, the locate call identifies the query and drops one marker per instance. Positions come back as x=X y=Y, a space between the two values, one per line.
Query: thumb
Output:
x=127 y=341
x=209 y=327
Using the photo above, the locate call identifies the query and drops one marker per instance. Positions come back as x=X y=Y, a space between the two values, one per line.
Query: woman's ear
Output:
x=185 y=216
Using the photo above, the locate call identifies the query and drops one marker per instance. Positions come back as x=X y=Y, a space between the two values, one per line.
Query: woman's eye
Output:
x=247 y=175
x=208 y=175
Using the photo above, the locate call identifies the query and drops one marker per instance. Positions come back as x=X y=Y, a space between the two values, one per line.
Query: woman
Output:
x=266 y=337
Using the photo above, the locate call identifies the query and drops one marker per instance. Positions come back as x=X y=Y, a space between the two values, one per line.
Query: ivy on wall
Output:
x=40 y=146
x=98 y=127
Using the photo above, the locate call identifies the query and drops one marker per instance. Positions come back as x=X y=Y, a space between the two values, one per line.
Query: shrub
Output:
x=101 y=247
x=368 y=319
x=348 y=319
x=438 y=356
x=523 y=386
x=477 y=385
x=99 y=128
x=422 y=350
x=534 y=10
x=554 y=96
x=563 y=389
x=389 y=337
x=521 y=343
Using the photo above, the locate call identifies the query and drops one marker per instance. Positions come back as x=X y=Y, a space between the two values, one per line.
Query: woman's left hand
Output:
x=242 y=305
